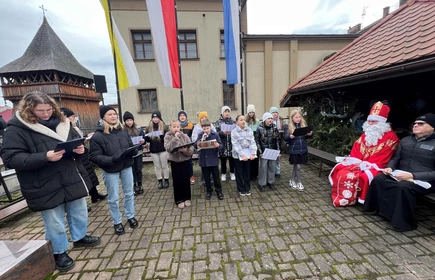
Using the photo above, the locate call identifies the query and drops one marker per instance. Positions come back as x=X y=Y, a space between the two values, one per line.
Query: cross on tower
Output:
x=43 y=10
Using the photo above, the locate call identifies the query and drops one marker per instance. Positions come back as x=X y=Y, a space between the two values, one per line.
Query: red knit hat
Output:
x=379 y=112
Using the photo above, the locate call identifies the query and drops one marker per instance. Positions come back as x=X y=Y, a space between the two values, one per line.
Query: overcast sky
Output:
x=80 y=24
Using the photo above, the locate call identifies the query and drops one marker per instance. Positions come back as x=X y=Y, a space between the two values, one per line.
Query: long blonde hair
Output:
x=292 y=126
x=161 y=128
x=31 y=100
x=108 y=128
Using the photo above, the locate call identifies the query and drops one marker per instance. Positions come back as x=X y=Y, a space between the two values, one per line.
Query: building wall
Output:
x=202 y=78
x=281 y=63
x=271 y=65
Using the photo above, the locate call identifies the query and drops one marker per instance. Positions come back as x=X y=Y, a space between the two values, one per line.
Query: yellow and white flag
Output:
x=125 y=67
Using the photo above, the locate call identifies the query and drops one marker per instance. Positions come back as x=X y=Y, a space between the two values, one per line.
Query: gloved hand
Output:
x=131 y=153
x=118 y=156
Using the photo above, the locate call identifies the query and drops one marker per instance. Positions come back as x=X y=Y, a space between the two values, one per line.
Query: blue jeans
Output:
x=111 y=180
x=55 y=231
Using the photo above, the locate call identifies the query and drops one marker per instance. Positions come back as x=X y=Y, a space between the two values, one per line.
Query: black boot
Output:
x=135 y=190
x=95 y=196
x=139 y=188
x=160 y=185
x=166 y=184
x=63 y=262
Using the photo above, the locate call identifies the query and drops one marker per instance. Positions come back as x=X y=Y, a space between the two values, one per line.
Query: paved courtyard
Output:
x=281 y=234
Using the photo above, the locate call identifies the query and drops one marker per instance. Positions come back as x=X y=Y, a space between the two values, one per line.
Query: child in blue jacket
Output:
x=209 y=159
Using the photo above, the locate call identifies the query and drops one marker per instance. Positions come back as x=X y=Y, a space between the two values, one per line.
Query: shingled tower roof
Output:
x=47 y=52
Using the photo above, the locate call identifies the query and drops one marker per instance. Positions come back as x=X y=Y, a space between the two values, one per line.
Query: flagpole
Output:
x=179 y=61
x=241 y=59
x=114 y=63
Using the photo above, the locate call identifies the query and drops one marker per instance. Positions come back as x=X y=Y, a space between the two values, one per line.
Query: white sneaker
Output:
x=232 y=176
x=300 y=187
x=224 y=177
x=292 y=184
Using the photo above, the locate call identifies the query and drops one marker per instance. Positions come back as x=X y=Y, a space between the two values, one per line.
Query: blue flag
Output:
x=232 y=40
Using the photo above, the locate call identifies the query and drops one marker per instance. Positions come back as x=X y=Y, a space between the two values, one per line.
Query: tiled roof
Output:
x=406 y=35
x=47 y=52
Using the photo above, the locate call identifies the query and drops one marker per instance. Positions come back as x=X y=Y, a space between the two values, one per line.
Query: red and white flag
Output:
x=164 y=32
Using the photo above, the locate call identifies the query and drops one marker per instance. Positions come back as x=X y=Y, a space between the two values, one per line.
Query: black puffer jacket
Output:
x=44 y=184
x=227 y=146
x=84 y=159
x=267 y=137
x=417 y=157
x=157 y=144
x=297 y=145
x=107 y=147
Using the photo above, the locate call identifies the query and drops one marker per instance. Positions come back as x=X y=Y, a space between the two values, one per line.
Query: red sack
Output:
x=345 y=186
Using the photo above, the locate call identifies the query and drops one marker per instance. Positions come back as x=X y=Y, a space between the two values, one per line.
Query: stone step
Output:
x=25 y=259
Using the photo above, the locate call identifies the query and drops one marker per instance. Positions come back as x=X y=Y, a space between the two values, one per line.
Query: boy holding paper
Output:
x=267 y=137
x=209 y=159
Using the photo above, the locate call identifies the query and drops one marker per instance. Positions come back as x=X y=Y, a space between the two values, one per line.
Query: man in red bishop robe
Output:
x=351 y=178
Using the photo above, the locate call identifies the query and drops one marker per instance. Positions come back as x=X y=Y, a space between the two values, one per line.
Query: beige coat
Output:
x=171 y=142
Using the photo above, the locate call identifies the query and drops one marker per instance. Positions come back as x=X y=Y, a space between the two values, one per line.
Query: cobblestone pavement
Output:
x=281 y=234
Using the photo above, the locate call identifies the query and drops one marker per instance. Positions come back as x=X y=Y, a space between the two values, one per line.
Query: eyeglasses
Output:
x=418 y=123
x=44 y=111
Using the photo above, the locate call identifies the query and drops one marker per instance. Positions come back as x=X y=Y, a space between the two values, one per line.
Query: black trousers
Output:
x=214 y=171
x=395 y=201
x=254 y=167
x=137 y=169
x=181 y=181
x=93 y=192
x=243 y=178
x=224 y=164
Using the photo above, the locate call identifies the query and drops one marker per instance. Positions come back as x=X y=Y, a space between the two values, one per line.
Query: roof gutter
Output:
x=413 y=67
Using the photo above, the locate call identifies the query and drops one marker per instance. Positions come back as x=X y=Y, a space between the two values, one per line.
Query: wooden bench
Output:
x=14 y=203
x=324 y=156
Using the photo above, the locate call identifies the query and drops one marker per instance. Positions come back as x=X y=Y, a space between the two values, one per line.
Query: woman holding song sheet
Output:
x=51 y=182
x=155 y=135
x=112 y=150
x=136 y=133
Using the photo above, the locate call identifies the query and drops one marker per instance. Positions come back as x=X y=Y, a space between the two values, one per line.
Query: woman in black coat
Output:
x=51 y=182
x=109 y=146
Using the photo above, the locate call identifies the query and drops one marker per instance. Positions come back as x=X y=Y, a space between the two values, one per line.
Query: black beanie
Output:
x=127 y=116
x=182 y=112
x=67 y=112
x=429 y=118
x=104 y=109
x=157 y=114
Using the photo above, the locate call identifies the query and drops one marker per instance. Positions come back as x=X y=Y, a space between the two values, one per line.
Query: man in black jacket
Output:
x=393 y=195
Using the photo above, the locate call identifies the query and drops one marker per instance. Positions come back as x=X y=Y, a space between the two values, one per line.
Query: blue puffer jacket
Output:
x=297 y=145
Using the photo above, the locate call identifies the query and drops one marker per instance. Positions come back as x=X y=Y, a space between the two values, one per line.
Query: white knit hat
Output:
x=224 y=109
x=251 y=108
x=267 y=116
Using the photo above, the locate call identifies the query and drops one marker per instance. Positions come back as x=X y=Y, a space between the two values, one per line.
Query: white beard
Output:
x=375 y=132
